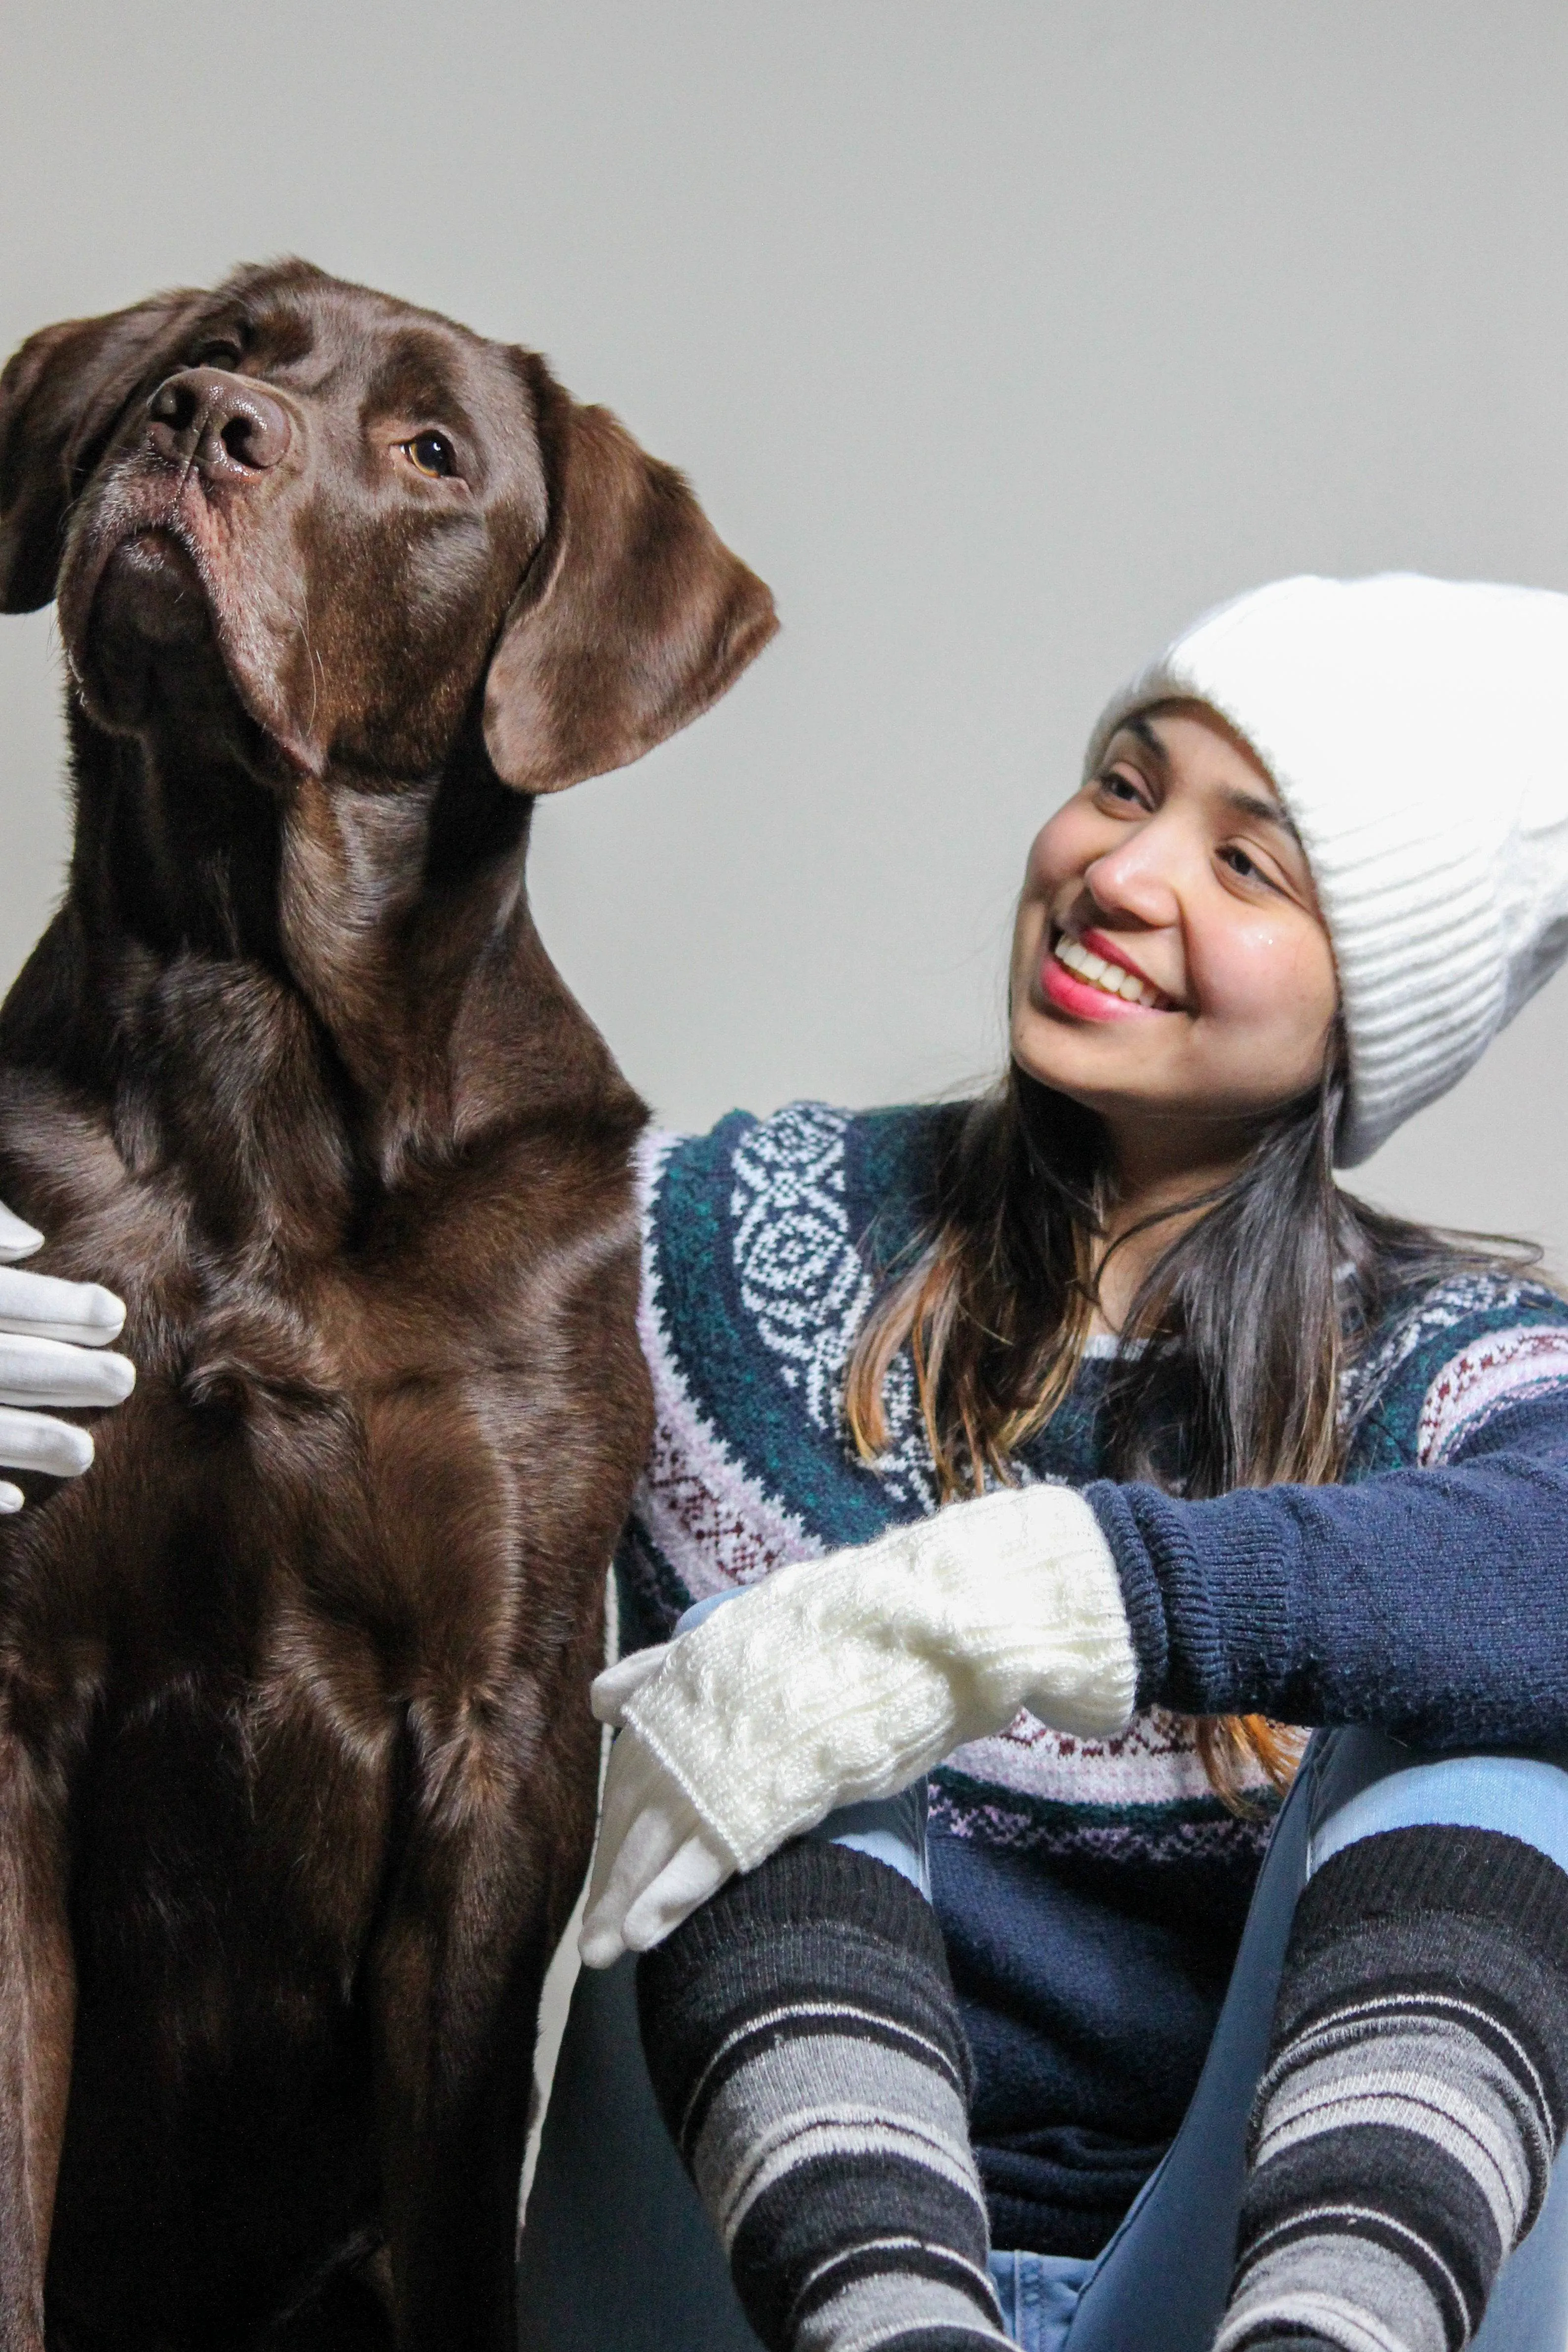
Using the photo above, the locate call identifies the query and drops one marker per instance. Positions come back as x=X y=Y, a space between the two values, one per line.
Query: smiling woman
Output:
x=1275 y=1459
x=1171 y=898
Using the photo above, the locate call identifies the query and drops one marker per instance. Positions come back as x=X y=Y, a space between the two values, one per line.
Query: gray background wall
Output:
x=1000 y=336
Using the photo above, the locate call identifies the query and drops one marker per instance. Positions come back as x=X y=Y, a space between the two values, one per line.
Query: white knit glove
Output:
x=842 y=1679
x=54 y=1338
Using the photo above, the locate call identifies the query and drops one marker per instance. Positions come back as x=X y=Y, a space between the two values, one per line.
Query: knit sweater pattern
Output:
x=1091 y=1893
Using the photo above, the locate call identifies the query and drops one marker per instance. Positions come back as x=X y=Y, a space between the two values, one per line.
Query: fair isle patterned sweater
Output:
x=1092 y=1894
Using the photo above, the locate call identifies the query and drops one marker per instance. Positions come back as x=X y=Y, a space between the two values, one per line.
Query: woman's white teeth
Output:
x=1102 y=973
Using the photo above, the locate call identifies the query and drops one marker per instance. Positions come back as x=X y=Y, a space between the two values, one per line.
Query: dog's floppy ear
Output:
x=632 y=615
x=61 y=396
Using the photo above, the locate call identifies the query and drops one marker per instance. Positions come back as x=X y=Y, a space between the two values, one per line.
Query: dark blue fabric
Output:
x=1089 y=2000
x=1431 y=1604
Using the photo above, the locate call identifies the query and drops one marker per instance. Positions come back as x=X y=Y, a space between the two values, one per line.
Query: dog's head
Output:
x=326 y=517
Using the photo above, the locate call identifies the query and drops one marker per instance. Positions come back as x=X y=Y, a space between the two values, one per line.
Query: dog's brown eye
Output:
x=432 y=452
x=219 y=355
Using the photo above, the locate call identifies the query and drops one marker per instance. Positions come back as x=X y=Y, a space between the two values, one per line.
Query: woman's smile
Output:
x=1088 y=975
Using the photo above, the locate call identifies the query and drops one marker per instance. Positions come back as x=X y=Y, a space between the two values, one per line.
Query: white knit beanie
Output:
x=1418 y=732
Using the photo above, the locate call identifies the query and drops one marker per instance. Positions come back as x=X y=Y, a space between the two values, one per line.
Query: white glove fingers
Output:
x=691 y=1876
x=17 y=1239
x=631 y=1853
x=32 y=1440
x=48 y=1372
x=622 y=1681
x=642 y=1824
x=648 y=1824
x=42 y=1307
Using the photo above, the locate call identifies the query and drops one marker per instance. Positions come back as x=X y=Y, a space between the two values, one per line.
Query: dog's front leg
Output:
x=37 y=2012
x=458 y=1972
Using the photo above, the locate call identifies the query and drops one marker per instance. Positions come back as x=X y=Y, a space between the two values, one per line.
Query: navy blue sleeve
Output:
x=1428 y=1603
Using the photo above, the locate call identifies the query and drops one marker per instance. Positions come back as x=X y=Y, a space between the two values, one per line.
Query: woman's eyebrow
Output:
x=1251 y=805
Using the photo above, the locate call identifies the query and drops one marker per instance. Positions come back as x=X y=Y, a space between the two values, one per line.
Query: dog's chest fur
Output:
x=337 y=1557
x=361 y=1411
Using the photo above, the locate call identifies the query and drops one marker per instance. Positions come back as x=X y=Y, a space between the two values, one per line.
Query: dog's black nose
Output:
x=223 y=425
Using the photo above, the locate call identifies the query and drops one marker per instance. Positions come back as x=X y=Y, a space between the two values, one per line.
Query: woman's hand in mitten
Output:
x=846 y=1678
x=54 y=1351
x=655 y=1862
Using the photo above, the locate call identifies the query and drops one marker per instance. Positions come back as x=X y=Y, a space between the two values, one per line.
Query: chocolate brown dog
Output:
x=297 y=1768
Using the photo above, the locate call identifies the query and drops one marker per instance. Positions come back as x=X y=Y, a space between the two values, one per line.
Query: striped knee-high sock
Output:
x=805 y=2049
x=1405 y=2127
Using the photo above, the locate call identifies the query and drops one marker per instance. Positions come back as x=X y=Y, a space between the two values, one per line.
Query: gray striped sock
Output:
x=1405 y=2126
x=804 y=2045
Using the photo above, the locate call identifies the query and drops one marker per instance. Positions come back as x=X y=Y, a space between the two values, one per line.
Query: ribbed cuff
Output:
x=809 y=1883
x=1435 y=1872
x=1207 y=1592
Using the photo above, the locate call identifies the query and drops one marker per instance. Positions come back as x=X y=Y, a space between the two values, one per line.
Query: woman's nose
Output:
x=1139 y=877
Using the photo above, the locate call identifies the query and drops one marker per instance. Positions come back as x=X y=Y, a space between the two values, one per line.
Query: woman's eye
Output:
x=1118 y=787
x=433 y=454
x=1240 y=863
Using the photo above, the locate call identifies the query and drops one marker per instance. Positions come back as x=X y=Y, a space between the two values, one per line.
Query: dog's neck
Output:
x=338 y=980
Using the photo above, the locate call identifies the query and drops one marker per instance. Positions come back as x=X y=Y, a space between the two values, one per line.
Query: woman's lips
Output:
x=1084 y=992
x=1083 y=998
x=1112 y=951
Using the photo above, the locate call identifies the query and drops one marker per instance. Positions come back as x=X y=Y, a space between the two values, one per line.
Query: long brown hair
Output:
x=1233 y=1352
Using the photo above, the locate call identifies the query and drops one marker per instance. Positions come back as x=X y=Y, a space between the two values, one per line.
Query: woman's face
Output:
x=1169 y=963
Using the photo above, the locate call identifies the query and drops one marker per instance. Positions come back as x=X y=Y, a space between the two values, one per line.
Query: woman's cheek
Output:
x=1042 y=879
x=1028 y=936
x=1265 y=974
x=1062 y=848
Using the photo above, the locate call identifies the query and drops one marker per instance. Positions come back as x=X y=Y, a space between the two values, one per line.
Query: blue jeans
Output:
x=617 y=2255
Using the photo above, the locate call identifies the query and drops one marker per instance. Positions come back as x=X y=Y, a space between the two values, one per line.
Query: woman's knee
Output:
x=1365 y=1783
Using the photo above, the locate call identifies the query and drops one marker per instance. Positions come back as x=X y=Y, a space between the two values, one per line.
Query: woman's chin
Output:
x=1099 y=1064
